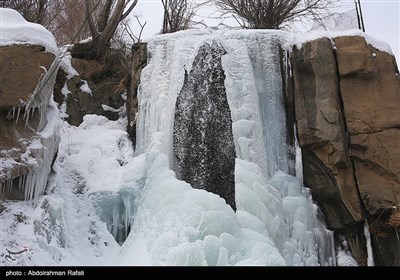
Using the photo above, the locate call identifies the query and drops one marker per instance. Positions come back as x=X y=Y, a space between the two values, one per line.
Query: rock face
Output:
x=96 y=88
x=348 y=123
x=28 y=120
x=139 y=60
x=203 y=139
x=370 y=90
x=322 y=134
x=21 y=68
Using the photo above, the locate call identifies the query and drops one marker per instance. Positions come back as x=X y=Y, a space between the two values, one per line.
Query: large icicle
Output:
x=370 y=260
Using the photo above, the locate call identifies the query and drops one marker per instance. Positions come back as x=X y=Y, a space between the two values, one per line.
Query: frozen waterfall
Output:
x=108 y=204
x=276 y=221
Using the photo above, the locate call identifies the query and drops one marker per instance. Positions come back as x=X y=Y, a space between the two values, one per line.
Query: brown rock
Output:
x=328 y=170
x=371 y=94
x=349 y=128
x=21 y=68
x=23 y=150
x=377 y=165
x=371 y=105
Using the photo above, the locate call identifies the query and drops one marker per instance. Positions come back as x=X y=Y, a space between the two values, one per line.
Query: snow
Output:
x=66 y=64
x=376 y=43
x=346 y=259
x=15 y=30
x=85 y=88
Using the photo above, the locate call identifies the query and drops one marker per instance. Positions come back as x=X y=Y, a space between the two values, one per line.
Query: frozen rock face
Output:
x=203 y=140
x=346 y=105
x=28 y=120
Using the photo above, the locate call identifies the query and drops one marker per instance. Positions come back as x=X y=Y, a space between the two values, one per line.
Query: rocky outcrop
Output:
x=347 y=95
x=370 y=89
x=138 y=62
x=28 y=120
x=97 y=88
x=21 y=68
x=203 y=139
x=322 y=134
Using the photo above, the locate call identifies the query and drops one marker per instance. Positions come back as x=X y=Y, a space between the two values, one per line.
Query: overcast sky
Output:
x=381 y=19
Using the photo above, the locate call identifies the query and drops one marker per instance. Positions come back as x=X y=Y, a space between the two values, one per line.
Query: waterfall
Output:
x=273 y=207
x=210 y=182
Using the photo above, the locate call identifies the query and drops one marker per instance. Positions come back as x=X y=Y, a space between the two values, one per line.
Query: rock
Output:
x=26 y=154
x=370 y=90
x=21 y=68
x=2 y=208
x=377 y=165
x=328 y=170
x=370 y=94
x=385 y=238
x=96 y=90
x=139 y=60
x=203 y=140
x=348 y=121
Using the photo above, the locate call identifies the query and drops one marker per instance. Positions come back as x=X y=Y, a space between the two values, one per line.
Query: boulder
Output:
x=26 y=110
x=203 y=143
x=21 y=68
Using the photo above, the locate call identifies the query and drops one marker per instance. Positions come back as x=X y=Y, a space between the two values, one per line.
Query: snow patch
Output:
x=15 y=30
x=85 y=88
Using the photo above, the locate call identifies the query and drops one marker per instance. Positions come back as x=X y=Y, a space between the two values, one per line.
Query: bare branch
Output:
x=89 y=18
x=124 y=15
x=178 y=15
x=272 y=14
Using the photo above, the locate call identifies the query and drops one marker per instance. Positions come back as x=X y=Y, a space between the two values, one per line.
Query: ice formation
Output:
x=45 y=142
x=274 y=210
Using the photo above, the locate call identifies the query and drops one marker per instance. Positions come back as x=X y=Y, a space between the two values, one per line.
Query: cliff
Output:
x=347 y=95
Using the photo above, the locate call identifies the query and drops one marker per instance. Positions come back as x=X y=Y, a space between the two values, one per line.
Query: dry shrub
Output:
x=394 y=219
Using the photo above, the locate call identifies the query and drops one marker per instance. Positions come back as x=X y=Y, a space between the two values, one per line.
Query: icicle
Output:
x=370 y=261
x=11 y=114
x=26 y=115
x=19 y=111
x=299 y=158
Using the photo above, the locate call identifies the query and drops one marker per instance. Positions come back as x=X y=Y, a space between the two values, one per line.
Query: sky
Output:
x=381 y=19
